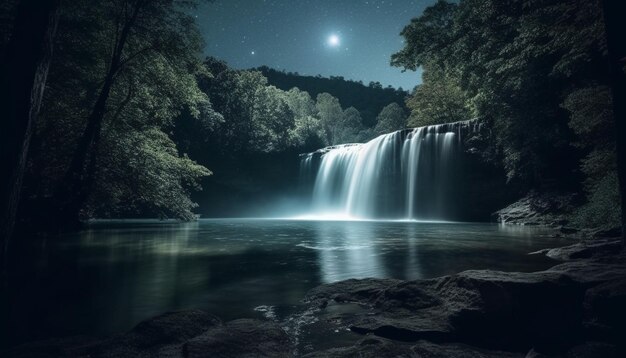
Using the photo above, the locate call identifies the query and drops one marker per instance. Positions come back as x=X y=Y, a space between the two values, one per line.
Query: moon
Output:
x=333 y=40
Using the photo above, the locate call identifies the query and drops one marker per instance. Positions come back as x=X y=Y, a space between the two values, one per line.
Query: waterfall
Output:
x=411 y=174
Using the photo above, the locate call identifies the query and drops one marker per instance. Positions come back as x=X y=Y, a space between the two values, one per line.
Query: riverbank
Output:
x=574 y=309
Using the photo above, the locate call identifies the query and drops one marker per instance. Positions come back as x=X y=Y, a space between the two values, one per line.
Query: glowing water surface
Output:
x=114 y=274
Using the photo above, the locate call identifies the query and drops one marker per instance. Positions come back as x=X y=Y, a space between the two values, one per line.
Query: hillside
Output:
x=368 y=99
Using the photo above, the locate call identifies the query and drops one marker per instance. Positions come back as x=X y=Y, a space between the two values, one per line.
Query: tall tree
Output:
x=23 y=73
x=515 y=62
x=390 y=119
x=438 y=99
x=615 y=28
x=138 y=31
x=350 y=127
x=331 y=114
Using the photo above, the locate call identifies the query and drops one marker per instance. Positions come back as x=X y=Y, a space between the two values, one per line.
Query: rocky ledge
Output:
x=193 y=334
x=575 y=309
x=539 y=209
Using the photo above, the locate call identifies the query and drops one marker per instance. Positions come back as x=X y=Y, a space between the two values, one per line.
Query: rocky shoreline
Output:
x=574 y=309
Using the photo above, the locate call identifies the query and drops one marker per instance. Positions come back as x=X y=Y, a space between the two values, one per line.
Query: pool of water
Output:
x=114 y=274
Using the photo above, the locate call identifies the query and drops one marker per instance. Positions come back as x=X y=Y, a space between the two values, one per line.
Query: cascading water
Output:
x=411 y=174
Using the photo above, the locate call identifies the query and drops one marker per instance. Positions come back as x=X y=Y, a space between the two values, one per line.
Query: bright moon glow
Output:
x=333 y=40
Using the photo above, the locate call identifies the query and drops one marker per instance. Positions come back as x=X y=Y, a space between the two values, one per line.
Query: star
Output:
x=252 y=52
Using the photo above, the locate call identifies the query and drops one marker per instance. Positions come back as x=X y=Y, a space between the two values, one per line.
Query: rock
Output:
x=585 y=250
x=568 y=230
x=430 y=350
x=352 y=290
x=51 y=348
x=373 y=347
x=159 y=336
x=367 y=348
x=605 y=308
x=241 y=338
x=590 y=272
x=488 y=309
x=534 y=354
x=191 y=333
x=584 y=350
x=171 y=327
x=615 y=232
x=594 y=350
x=575 y=309
x=549 y=209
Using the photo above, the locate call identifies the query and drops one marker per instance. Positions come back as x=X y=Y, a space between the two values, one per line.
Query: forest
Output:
x=130 y=125
x=143 y=174
x=536 y=73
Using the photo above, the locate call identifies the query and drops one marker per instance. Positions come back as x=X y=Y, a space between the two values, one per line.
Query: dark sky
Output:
x=349 y=38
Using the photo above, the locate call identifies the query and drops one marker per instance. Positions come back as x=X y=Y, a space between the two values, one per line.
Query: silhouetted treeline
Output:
x=369 y=99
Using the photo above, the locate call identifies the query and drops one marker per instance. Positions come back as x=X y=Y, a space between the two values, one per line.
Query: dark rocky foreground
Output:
x=575 y=309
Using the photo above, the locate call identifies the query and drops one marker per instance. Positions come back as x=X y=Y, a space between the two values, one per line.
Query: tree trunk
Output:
x=77 y=184
x=23 y=74
x=615 y=28
x=75 y=187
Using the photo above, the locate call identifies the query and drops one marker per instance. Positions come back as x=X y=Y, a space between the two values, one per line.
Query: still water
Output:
x=114 y=274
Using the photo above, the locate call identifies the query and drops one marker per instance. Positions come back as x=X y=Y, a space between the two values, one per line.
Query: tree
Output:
x=390 y=119
x=350 y=127
x=159 y=32
x=427 y=37
x=514 y=63
x=272 y=120
x=439 y=99
x=144 y=174
x=139 y=31
x=617 y=54
x=23 y=74
x=591 y=119
x=151 y=93
x=308 y=132
x=330 y=113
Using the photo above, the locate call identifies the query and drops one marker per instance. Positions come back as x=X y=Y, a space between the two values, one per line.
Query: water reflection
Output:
x=409 y=251
x=344 y=253
x=110 y=277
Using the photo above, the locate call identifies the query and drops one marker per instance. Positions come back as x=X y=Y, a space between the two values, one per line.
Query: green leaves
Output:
x=536 y=70
x=139 y=170
x=390 y=119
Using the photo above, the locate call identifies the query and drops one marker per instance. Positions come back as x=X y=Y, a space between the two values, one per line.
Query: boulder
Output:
x=241 y=338
x=483 y=308
x=585 y=250
x=374 y=347
x=161 y=336
x=605 y=309
x=191 y=333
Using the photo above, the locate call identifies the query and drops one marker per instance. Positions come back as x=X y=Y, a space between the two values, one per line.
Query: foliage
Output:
x=513 y=64
x=308 y=132
x=155 y=83
x=518 y=65
x=350 y=126
x=145 y=176
x=591 y=120
x=331 y=114
x=439 y=99
x=368 y=99
x=390 y=119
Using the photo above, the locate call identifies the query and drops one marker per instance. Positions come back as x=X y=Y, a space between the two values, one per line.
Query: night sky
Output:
x=348 y=38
